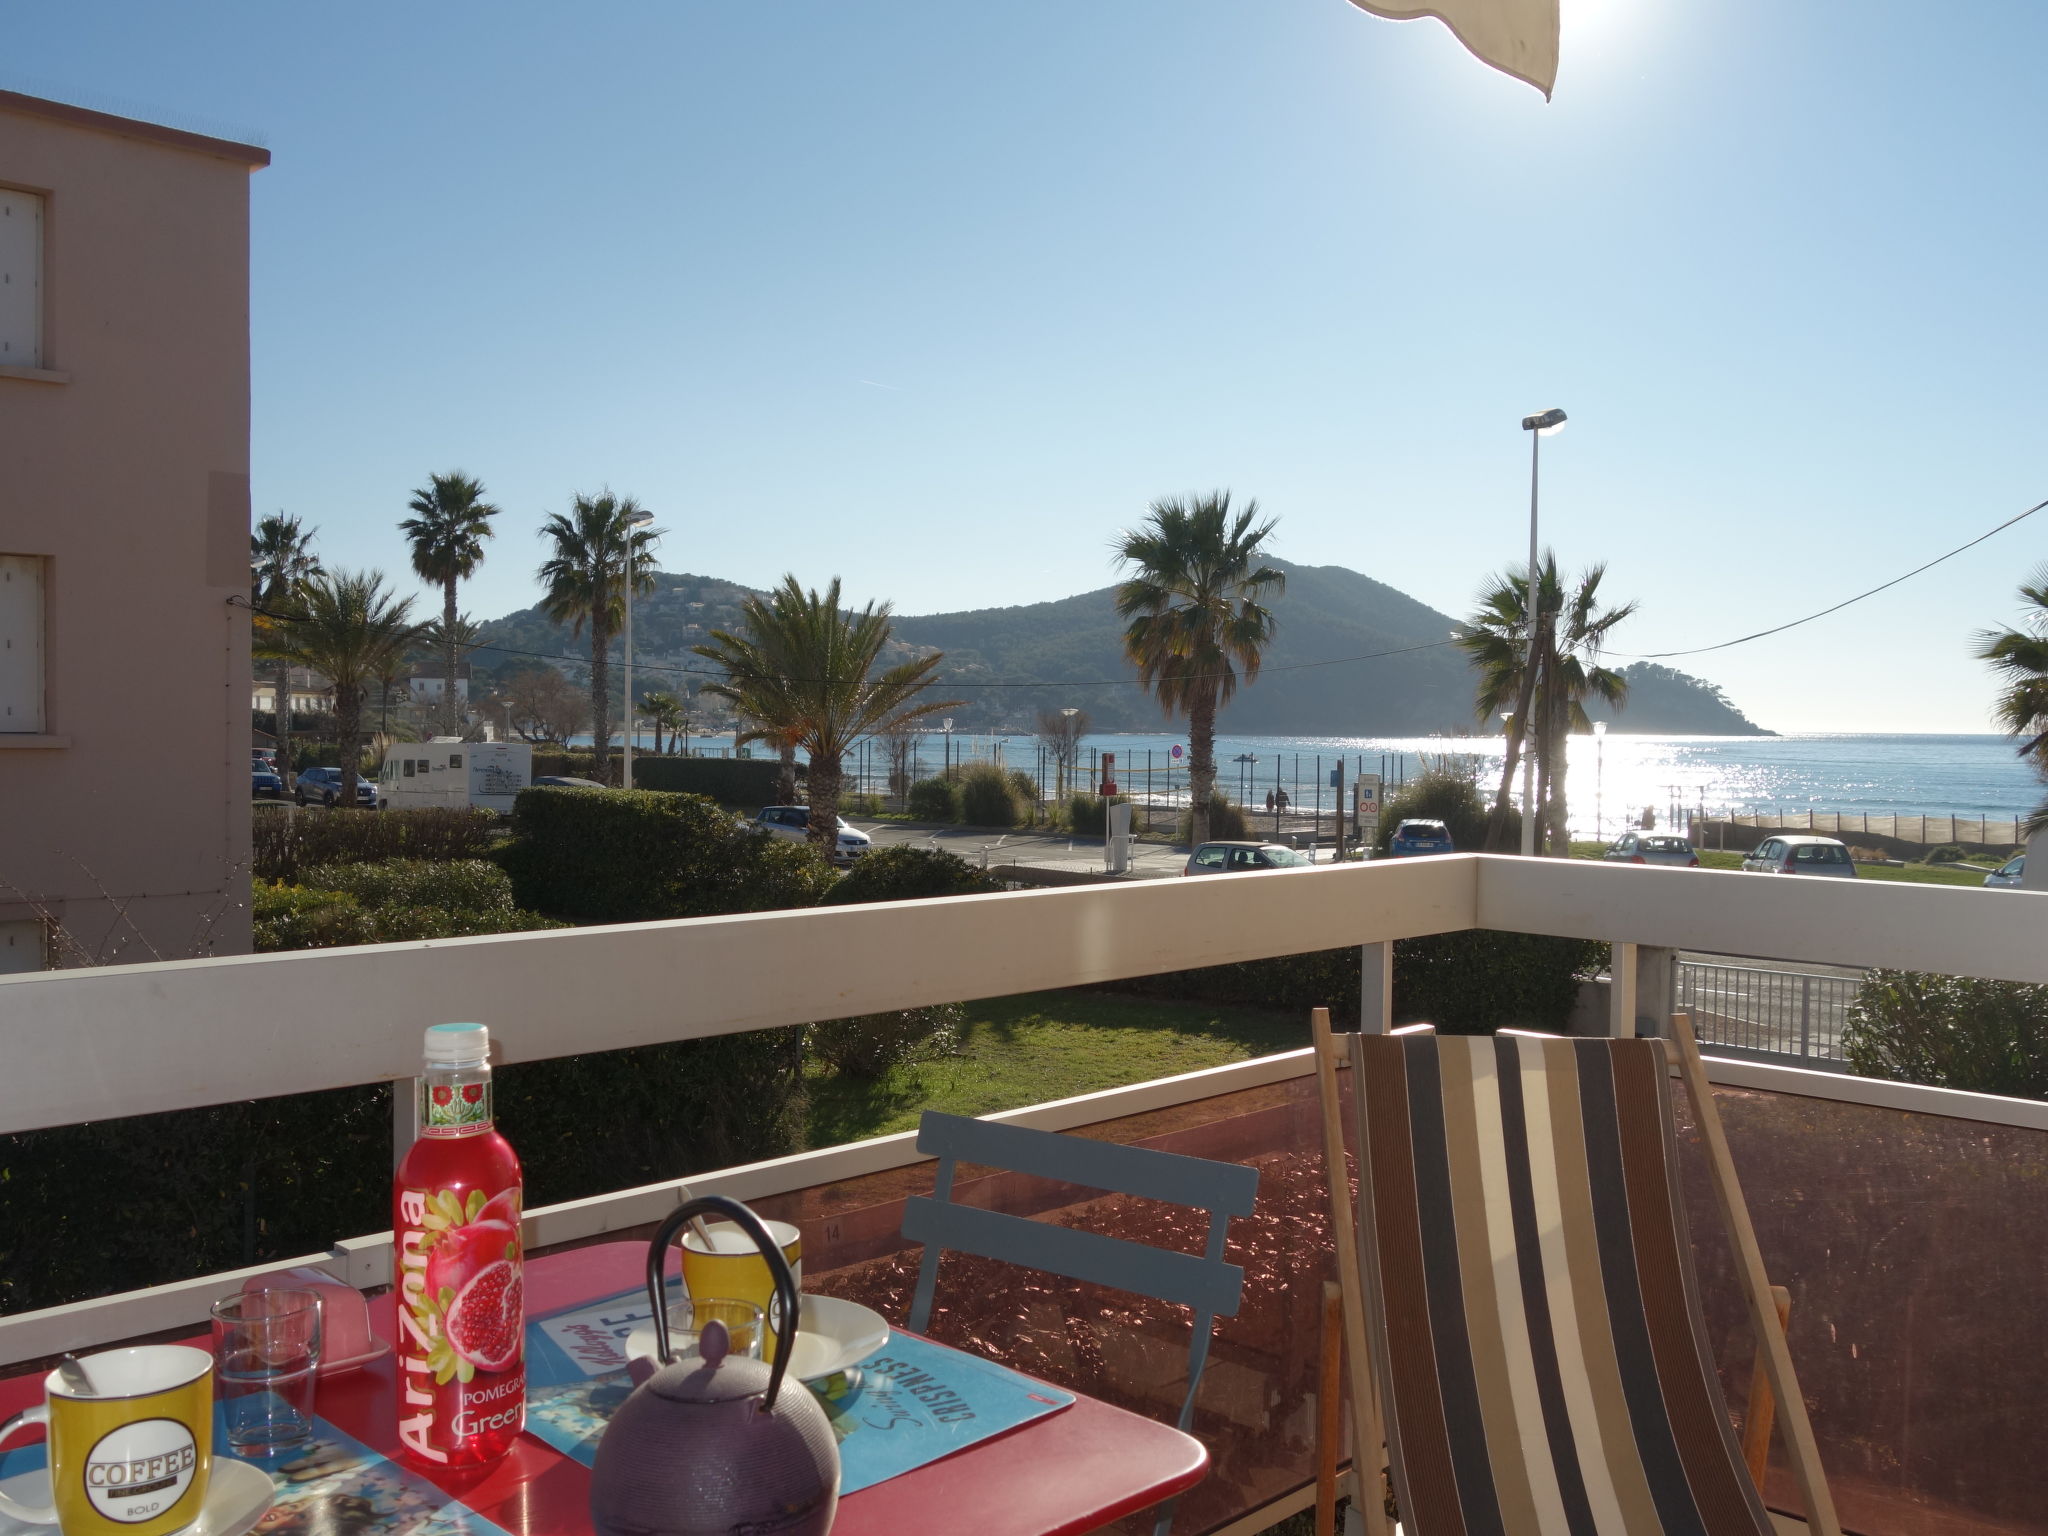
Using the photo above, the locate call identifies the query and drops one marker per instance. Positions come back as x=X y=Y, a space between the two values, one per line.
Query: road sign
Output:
x=1176 y=752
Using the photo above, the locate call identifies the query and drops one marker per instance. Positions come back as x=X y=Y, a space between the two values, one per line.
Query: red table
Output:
x=1072 y=1471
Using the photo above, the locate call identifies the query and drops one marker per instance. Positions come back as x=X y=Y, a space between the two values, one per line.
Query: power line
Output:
x=1701 y=650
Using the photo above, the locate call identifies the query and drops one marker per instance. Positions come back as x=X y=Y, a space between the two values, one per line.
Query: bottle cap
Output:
x=455 y=1043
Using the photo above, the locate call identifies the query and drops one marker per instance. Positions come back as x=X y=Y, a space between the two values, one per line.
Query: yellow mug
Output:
x=732 y=1267
x=134 y=1459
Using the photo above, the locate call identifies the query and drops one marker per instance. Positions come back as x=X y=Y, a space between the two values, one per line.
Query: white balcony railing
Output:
x=98 y=1044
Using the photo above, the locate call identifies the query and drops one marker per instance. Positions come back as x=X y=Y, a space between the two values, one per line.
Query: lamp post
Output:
x=1543 y=424
x=1070 y=748
x=946 y=725
x=1599 y=777
x=637 y=521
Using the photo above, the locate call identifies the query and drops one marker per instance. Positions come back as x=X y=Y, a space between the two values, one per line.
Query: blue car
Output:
x=265 y=785
x=322 y=786
x=1414 y=837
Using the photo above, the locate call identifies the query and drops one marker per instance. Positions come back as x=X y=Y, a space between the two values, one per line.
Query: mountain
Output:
x=1351 y=657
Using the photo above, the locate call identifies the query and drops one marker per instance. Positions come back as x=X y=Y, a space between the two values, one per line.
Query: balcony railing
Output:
x=1906 y=1221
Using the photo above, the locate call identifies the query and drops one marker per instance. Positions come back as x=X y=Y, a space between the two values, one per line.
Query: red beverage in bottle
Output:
x=458 y=1265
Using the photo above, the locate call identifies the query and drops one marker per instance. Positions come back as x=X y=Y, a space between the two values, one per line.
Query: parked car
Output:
x=1237 y=858
x=562 y=781
x=1415 y=836
x=1801 y=856
x=1652 y=848
x=793 y=823
x=265 y=785
x=322 y=786
x=2008 y=875
x=263 y=757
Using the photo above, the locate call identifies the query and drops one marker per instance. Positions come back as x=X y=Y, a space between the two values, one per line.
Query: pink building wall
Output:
x=124 y=465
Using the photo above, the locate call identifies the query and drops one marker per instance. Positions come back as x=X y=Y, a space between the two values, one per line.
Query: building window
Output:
x=22 y=947
x=21 y=644
x=21 y=279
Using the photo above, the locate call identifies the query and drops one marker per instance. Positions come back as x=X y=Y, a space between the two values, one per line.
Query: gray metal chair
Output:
x=1206 y=1284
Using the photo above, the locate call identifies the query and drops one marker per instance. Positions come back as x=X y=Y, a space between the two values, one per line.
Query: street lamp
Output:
x=1543 y=424
x=1069 y=746
x=946 y=725
x=637 y=521
x=1599 y=776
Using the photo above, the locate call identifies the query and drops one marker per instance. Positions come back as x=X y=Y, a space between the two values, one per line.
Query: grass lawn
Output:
x=1049 y=1045
x=1914 y=874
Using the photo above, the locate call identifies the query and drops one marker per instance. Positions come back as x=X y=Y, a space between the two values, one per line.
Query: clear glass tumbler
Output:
x=266 y=1349
x=743 y=1325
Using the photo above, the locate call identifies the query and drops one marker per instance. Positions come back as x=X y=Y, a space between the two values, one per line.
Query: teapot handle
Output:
x=778 y=1266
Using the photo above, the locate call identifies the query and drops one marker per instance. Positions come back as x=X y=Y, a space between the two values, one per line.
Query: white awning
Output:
x=1517 y=37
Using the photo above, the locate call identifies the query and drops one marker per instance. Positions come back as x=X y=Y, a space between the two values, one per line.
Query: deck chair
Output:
x=1206 y=1284
x=1532 y=1319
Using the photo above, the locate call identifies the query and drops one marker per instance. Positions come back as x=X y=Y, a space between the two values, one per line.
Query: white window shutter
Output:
x=21 y=279
x=21 y=644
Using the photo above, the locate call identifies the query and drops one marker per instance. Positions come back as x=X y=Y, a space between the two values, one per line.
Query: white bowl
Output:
x=831 y=1335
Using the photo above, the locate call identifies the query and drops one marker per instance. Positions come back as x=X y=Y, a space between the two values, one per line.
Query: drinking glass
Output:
x=744 y=1325
x=266 y=1347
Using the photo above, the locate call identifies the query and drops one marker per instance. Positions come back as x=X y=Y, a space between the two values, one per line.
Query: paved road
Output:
x=1054 y=850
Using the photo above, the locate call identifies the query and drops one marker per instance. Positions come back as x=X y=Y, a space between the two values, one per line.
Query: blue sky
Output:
x=936 y=296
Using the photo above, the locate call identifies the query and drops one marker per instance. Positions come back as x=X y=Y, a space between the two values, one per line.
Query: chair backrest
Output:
x=1207 y=1284
x=1535 y=1316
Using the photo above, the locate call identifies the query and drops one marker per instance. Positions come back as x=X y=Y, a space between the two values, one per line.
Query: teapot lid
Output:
x=715 y=1375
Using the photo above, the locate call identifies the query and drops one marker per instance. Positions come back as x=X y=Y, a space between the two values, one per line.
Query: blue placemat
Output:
x=332 y=1486
x=909 y=1403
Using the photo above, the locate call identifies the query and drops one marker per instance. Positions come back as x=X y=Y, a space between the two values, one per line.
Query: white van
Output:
x=448 y=771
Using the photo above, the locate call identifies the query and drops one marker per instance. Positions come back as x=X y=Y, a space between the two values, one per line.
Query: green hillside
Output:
x=1007 y=663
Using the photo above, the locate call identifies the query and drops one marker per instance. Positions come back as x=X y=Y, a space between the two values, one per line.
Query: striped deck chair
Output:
x=1531 y=1312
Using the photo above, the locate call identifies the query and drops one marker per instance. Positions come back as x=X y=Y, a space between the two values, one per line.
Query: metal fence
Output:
x=1789 y=1015
x=1989 y=832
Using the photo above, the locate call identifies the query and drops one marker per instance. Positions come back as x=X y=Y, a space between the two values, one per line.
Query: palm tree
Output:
x=447 y=530
x=595 y=544
x=281 y=559
x=354 y=630
x=1571 y=630
x=665 y=710
x=1194 y=602
x=802 y=673
x=2020 y=658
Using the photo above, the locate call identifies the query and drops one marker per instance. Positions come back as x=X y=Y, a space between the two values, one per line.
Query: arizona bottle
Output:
x=455 y=1219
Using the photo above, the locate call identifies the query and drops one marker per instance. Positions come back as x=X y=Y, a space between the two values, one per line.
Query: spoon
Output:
x=74 y=1374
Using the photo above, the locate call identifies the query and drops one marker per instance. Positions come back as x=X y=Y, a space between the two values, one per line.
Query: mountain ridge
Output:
x=1351 y=656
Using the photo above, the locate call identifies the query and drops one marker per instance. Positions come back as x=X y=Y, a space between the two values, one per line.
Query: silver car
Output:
x=793 y=823
x=1801 y=856
x=2009 y=874
x=1229 y=858
x=1652 y=848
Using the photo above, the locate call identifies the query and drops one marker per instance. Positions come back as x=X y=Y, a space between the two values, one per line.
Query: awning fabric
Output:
x=1517 y=37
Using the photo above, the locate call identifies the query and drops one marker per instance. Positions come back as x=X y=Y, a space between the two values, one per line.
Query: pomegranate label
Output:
x=456 y=1110
x=461 y=1317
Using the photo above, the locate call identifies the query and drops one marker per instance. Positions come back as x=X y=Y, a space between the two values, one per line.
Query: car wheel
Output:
x=328 y=800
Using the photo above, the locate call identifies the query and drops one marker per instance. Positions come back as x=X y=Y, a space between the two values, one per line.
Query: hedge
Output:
x=286 y=841
x=1467 y=983
x=748 y=781
x=904 y=872
x=628 y=856
x=197 y=1191
x=462 y=885
x=1950 y=1032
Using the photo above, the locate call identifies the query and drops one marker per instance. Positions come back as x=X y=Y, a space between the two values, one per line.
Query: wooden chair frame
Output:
x=1775 y=1395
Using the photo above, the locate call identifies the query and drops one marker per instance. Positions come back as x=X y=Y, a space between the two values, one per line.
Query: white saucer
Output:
x=378 y=1349
x=831 y=1335
x=237 y=1496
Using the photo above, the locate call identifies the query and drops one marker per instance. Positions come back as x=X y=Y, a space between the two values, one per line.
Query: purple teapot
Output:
x=711 y=1444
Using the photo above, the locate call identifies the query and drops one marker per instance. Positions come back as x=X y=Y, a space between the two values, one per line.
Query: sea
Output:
x=1608 y=779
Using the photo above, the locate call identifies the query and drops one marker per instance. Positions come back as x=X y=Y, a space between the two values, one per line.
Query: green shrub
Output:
x=1467 y=983
x=1451 y=797
x=1947 y=853
x=625 y=856
x=1226 y=822
x=856 y=803
x=460 y=885
x=294 y=917
x=905 y=873
x=986 y=798
x=1025 y=788
x=1950 y=1032
x=748 y=781
x=286 y=844
x=399 y=923
x=868 y=1046
x=932 y=800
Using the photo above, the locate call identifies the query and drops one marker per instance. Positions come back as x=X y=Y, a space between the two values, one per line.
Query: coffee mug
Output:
x=733 y=1267
x=134 y=1458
